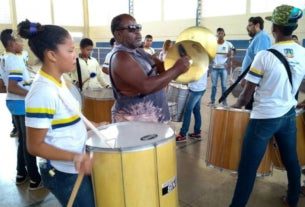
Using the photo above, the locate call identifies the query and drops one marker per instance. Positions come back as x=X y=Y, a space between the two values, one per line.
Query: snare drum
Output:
x=275 y=153
x=178 y=93
x=226 y=133
x=135 y=165
x=98 y=104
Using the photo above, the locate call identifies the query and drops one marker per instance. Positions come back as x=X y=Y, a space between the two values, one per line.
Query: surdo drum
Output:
x=134 y=166
x=226 y=133
x=275 y=153
x=98 y=104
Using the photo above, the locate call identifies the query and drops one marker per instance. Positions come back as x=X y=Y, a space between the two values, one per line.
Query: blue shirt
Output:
x=261 y=41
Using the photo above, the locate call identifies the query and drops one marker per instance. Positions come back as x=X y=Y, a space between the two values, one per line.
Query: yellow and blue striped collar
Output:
x=49 y=77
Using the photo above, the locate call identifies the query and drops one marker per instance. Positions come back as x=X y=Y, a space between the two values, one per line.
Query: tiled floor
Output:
x=198 y=185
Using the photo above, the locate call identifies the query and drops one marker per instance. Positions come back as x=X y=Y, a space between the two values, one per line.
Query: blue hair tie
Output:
x=33 y=28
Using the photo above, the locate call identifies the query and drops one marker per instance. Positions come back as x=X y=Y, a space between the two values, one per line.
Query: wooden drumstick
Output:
x=75 y=189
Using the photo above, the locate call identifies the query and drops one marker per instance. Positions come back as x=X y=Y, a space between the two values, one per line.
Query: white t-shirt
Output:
x=274 y=95
x=45 y=109
x=15 y=69
x=149 y=50
x=199 y=85
x=106 y=65
x=222 y=54
x=87 y=68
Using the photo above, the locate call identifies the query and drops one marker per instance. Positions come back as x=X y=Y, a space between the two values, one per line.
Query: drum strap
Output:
x=79 y=75
x=230 y=89
x=281 y=57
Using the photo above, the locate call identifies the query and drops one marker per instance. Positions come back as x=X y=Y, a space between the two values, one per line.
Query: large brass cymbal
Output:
x=201 y=35
x=199 y=57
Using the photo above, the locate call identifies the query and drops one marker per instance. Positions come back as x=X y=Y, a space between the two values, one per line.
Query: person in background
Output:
x=2 y=85
x=55 y=132
x=193 y=102
x=166 y=45
x=18 y=83
x=138 y=79
x=147 y=44
x=88 y=75
x=273 y=113
x=106 y=62
x=220 y=63
x=260 y=40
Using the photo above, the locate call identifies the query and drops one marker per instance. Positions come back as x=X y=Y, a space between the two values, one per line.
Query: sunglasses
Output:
x=132 y=28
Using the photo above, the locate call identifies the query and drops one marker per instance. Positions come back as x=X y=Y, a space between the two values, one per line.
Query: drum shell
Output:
x=173 y=110
x=227 y=129
x=178 y=93
x=97 y=104
x=135 y=176
x=275 y=154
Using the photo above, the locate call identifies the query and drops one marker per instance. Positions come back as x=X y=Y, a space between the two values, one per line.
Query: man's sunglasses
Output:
x=131 y=28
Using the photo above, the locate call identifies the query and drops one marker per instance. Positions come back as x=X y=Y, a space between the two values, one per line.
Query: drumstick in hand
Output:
x=75 y=189
x=92 y=75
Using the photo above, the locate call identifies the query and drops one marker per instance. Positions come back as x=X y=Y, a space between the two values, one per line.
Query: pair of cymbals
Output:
x=200 y=45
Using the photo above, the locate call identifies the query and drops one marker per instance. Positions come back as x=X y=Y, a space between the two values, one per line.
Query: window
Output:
x=260 y=6
x=102 y=11
x=147 y=10
x=33 y=10
x=179 y=9
x=76 y=36
x=68 y=12
x=213 y=8
x=5 y=17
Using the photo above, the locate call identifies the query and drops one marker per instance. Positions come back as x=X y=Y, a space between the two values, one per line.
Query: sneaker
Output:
x=196 y=136
x=180 y=138
x=35 y=185
x=14 y=133
x=20 y=179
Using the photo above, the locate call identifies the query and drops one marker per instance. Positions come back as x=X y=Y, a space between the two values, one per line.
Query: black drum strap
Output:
x=230 y=89
x=79 y=75
x=281 y=57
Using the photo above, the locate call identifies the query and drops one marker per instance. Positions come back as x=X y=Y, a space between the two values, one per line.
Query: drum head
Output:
x=100 y=94
x=127 y=136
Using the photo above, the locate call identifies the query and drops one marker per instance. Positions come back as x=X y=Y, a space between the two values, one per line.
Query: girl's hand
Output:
x=83 y=163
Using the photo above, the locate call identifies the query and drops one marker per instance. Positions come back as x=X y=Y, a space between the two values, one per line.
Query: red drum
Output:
x=178 y=93
x=275 y=153
x=98 y=104
x=226 y=133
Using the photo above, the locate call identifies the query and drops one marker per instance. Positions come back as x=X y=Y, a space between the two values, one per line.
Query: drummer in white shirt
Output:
x=90 y=75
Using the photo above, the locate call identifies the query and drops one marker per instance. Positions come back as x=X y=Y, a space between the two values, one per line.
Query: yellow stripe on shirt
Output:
x=65 y=122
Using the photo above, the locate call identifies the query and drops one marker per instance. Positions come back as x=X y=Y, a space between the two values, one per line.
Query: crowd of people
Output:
x=49 y=129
